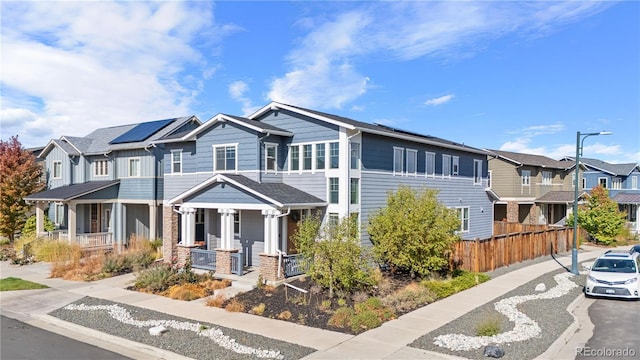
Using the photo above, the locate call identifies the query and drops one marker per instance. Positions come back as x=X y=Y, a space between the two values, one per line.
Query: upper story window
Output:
x=604 y=182
x=398 y=160
x=526 y=177
x=134 y=167
x=101 y=168
x=176 y=161
x=412 y=162
x=634 y=182
x=463 y=215
x=430 y=167
x=616 y=183
x=584 y=183
x=334 y=190
x=547 y=177
x=225 y=157
x=446 y=165
x=355 y=190
x=307 y=153
x=320 y=157
x=355 y=155
x=334 y=155
x=477 y=173
x=57 y=170
x=455 y=165
x=294 y=157
x=271 y=157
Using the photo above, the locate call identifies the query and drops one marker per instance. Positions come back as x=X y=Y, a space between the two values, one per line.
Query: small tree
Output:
x=29 y=227
x=337 y=261
x=600 y=217
x=414 y=232
x=20 y=176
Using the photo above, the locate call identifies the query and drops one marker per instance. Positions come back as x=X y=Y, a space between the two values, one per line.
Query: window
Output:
x=634 y=182
x=456 y=166
x=225 y=157
x=134 y=167
x=101 y=168
x=236 y=223
x=200 y=216
x=412 y=162
x=334 y=155
x=477 y=173
x=176 y=161
x=463 y=215
x=547 y=177
x=584 y=183
x=271 y=159
x=320 y=157
x=355 y=187
x=355 y=156
x=604 y=182
x=334 y=220
x=526 y=177
x=398 y=159
x=59 y=214
x=306 y=157
x=107 y=218
x=57 y=169
x=430 y=168
x=334 y=187
x=294 y=161
x=616 y=183
x=446 y=165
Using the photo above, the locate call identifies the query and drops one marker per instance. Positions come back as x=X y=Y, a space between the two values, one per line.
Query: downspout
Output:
x=260 y=158
x=154 y=186
x=280 y=252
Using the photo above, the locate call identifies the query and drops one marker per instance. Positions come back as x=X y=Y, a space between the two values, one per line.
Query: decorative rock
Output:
x=157 y=330
x=541 y=287
x=493 y=351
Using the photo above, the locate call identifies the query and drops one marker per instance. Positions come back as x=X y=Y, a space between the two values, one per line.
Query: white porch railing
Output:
x=95 y=239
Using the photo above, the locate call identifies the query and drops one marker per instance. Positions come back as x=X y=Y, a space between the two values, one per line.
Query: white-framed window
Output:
x=294 y=157
x=412 y=162
x=134 y=167
x=199 y=216
x=57 y=170
x=334 y=220
x=616 y=183
x=430 y=165
x=355 y=155
x=604 y=182
x=320 y=157
x=236 y=223
x=634 y=182
x=463 y=215
x=455 y=165
x=398 y=160
x=334 y=190
x=525 y=175
x=584 y=183
x=547 y=178
x=225 y=157
x=334 y=155
x=307 y=154
x=271 y=157
x=176 y=161
x=59 y=214
x=446 y=165
x=477 y=173
x=101 y=167
x=355 y=191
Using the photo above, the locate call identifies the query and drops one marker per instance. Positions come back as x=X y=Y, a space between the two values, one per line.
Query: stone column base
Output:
x=269 y=268
x=184 y=254
x=223 y=260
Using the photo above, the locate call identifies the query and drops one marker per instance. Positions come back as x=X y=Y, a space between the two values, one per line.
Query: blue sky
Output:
x=517 y=76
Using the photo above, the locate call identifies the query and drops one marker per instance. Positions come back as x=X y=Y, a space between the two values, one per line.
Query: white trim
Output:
x=393 y=166
x=224 y=118
x=95 y=167
x=455 y=165
x=238 y=206
x=415 y=162
x=446 y=157
x=426 y=164
x=139 y=167
x=215 y=159
x=266 y=169
x=606 y=181
x=178 y=151
x=478 y=170
x=461 y=217
x=276 y=105
x=53 y=165
x=527 y=177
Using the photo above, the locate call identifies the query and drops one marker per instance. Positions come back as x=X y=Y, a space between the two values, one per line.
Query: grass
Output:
x=11 y=283
x=489 y=327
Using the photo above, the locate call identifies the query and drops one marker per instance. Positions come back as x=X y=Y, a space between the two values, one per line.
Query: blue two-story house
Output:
x=240 y=184
x=108 y=185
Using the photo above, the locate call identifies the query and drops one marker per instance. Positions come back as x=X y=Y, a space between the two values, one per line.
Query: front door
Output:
x=94 y=218
x=292 y=227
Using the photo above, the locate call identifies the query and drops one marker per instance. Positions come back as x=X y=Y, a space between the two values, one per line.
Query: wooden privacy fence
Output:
x=506 y=249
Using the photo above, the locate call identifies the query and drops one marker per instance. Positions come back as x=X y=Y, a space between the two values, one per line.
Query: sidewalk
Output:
x=32 y=306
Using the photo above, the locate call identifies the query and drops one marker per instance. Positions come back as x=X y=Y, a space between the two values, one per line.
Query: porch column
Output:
x=72 y=221
x=39 y=217
x=153 y=221
x=637 y=219
x=226 y=228
x=270 y=231
x=188 y=226
x=284 y=236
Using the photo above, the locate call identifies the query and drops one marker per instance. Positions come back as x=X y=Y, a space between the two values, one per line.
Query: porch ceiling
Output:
x=70 y=192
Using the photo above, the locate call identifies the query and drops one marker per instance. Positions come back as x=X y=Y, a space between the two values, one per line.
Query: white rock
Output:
x=541 y=287
x=157 y=330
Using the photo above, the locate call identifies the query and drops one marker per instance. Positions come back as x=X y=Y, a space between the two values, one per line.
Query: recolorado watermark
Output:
x=605 y=352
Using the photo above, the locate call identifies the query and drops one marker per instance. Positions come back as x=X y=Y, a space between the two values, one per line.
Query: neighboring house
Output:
x=531 y=189
x=621 y=180
x=106 y=186
x=241 y=183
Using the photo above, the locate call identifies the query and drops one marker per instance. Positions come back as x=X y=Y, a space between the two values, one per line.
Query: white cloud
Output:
x=439 y=100
x=238 y=90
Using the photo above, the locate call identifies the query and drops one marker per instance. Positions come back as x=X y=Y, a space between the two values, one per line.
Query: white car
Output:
x=614 y=274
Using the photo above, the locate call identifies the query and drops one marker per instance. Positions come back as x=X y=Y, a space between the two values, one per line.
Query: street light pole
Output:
x=579 y=142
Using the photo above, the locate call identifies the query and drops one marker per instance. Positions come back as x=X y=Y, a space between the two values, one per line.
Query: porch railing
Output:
x=294 y=265
x=92 y=240
x=203 y=259
x=237 y=263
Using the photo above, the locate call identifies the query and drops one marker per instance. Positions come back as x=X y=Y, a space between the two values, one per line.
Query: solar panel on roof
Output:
x=141 y=131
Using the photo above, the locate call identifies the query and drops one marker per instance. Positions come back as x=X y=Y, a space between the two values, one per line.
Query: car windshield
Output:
x=615 y=265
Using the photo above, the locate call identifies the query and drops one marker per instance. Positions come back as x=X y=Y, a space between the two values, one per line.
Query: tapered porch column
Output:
x=188 y=225
x=39 y=217
x=72 y=221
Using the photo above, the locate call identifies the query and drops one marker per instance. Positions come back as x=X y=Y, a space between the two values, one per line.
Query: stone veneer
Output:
x=169 y=234
x=223 y=260
x=512 y=211
x=269 y=268
x=184 y=254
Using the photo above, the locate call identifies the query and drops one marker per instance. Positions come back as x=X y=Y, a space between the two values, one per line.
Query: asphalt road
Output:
x=617 y=330
x=22 y=341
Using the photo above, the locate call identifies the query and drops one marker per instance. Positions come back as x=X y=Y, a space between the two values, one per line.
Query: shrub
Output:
x=234 y=306
x=54 y=251
x=216 y=301
x=155 y=279
x=186 y=292
x=285 y=315
x=408 y=298
x=325 y=305
x=212 y=284
x=365 y=320
x=341 y=318
x=29 y=228
x=447 y=287
x=258 y=310
x=489 y=327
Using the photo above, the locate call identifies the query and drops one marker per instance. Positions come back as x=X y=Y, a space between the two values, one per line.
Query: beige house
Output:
x=531 y=189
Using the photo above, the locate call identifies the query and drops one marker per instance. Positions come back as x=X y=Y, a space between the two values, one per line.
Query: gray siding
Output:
x=90 y=168
x=147 y=163
x=251 y=239
x=227 y=133
x=314 y=184
x=137 y=189
x=104 y=194
x=305 y=129
x=229 y=195
x=137 y=220
x=189 y=157
x=56 y=154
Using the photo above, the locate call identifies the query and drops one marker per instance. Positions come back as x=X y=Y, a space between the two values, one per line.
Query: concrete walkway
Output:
x=389 y=341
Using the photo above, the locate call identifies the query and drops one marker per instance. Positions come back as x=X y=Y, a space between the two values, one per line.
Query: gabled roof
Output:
x=521 y=159
x=367 y=127
x=70 y=192
x=278 y=194
x=613 y=169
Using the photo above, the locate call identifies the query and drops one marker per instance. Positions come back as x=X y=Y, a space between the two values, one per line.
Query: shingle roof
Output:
x=68 y=192
x=556 y=197
x=282 y=193
x=615 y=169
x=532 y=160
x=258 y=124
x=627 y=198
